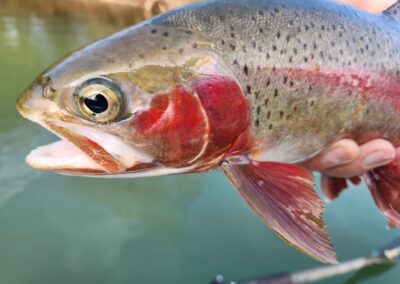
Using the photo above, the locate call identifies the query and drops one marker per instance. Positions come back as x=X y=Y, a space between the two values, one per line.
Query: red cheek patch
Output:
x=174 y=128
x=183 y=127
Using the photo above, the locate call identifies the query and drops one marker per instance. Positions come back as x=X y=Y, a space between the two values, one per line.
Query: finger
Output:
x=342 y=152
x=372 y=6
x=373 y=154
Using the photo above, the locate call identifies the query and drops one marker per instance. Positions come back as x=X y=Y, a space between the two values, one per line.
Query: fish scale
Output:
x=266 y=41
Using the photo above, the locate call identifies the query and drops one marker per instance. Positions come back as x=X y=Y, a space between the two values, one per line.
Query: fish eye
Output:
x=99 y=100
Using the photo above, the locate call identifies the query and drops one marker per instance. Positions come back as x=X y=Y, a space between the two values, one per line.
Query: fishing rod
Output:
x=386 y=255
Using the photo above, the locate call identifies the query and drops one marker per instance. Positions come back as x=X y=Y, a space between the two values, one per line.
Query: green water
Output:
x=178 y=229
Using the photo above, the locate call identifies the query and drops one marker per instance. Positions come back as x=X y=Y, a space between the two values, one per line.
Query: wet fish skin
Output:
x=250 y=87
x=301 y=62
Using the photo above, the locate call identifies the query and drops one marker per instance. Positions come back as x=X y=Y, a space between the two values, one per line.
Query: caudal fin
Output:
x=384 y=184
x=282 y=195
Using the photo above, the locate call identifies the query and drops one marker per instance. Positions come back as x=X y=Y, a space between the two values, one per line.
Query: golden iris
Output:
x=99 y=100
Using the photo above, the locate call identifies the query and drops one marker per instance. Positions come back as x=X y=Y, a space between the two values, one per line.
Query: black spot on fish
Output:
x=233 y=47
x=194 y=45
x=254 y=44
x=153 y=31
x=295 y=51
x=258 y=110
x=305 y=59
x=290 y=59
x=323 y=27
x=189 y=32
x=281 y=114
x=261 y=13
x=246 y=70
x=257 y=123
x=233 y=35
x=285 y=79
x=248 y=88
x=257 y=94
x=268 y=114
x=315 y=46
x=270 y=126
x=180 y=50
x=164 y=48
x=312 y=103
x=267 y=55
x=165 y=34
x=222 y=42
x=261 y=31
x=276 y=93
x=268 y=82
x=278 y=34
x=287 y=38
x=235 y=62
x=291 y=83
x=266 y=102
x=274 y=48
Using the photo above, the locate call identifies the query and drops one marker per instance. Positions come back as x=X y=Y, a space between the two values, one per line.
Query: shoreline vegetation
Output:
x=119 y=13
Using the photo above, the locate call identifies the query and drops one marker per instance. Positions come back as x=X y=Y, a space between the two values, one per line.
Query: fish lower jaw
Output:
x=59 y=156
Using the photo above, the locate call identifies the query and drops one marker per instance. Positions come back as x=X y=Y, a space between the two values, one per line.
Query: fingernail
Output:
x=378 y=158
x=336 y=156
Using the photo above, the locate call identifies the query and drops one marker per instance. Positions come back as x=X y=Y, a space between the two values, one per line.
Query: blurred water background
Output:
x=177 y=229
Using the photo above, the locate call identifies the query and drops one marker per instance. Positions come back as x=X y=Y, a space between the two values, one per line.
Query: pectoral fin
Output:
x=282 y=195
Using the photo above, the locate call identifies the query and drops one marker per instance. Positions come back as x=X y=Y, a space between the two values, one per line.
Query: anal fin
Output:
x=332 y=187
x=384 y=184
x=282 y=195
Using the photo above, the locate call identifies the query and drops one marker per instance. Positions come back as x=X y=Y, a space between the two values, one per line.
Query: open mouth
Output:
x=62 y=156
x=85 y=151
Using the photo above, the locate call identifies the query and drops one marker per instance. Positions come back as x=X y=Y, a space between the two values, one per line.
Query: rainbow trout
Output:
x=249 y=87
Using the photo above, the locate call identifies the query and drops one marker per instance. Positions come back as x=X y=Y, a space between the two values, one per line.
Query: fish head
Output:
x=149 y=100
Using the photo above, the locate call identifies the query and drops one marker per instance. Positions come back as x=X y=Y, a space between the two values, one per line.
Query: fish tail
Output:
x=384 y=184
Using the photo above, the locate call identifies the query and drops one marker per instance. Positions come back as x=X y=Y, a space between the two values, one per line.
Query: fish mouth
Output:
x=82 y=151
x=87 y=152
x=65 y=158
x=62 y=156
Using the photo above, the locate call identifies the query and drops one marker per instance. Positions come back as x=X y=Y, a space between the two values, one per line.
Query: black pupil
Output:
x=97 y=105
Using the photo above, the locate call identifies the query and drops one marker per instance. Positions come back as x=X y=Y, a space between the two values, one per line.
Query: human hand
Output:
x=373 y=6
x=347 y=159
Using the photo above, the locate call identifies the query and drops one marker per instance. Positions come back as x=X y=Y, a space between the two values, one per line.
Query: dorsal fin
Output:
x=394 y=11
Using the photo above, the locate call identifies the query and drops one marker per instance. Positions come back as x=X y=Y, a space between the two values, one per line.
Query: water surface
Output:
x=178 y=229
